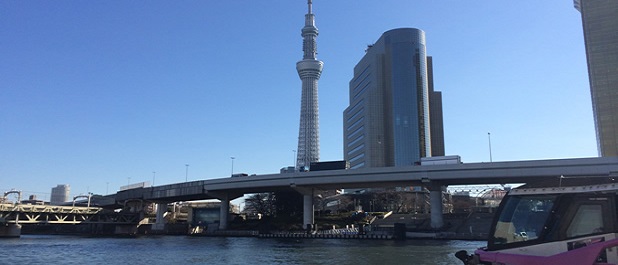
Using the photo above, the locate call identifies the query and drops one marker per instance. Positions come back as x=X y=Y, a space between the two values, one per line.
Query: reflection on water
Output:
x=221 y=250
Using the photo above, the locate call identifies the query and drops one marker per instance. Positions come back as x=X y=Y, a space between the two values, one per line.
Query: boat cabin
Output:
x=549 y=225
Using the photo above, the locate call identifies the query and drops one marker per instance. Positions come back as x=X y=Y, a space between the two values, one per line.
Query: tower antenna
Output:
x=309 y=70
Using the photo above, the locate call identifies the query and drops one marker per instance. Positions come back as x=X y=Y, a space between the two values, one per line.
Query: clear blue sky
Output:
x=93 y=93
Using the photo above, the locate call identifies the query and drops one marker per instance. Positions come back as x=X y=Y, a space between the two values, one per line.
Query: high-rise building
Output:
x=60 y=194
x=435 y=114
x=388 y=120
x=309 y=69
x=600 y=23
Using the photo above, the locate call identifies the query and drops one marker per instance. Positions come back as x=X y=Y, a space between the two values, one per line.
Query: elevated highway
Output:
x=435 y=177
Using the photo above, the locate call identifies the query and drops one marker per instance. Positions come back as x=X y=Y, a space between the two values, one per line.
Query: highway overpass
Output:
x=434 y=177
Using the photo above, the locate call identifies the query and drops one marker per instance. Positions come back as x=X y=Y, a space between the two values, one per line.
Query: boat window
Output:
x=587 y=220
x=522 y=218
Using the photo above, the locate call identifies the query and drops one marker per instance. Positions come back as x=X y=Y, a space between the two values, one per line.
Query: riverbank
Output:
x=298 y=235
x=394 y=226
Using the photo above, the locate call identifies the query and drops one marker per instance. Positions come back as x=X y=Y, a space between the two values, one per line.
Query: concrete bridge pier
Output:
x=308 y=218
x=435 y=199
x=10 y=230
x=159 y=224
x=308 y=207
x=224 y=211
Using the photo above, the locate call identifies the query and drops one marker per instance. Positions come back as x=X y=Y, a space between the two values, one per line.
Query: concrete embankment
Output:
x=325 y=236
x=244 y=233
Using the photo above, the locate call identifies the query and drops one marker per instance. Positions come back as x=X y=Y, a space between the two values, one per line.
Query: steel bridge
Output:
x=45 y=214
x=28 y=213
x=14 y=215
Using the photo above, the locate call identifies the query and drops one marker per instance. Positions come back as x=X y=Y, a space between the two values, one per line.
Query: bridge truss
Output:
x=51 y=214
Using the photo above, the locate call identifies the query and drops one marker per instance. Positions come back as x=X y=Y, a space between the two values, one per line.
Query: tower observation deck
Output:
x=309 y=69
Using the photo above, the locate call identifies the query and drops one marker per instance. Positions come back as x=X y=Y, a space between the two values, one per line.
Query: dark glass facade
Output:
x=388 y=120
x=600 y=24
x=435 y=114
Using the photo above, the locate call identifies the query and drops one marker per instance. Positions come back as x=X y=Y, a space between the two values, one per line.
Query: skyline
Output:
x=97 y=95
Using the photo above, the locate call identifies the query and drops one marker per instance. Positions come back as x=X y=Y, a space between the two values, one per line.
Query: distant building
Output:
x=391 y=101
x=60 y=194
x=600 y=23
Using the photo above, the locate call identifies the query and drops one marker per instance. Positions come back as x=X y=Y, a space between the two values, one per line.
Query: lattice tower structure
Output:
x=309 y=69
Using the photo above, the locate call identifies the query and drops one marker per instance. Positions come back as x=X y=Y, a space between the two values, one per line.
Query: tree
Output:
x=263 y=203
x=288 y=203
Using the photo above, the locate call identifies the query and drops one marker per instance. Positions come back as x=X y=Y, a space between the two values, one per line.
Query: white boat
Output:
x=559 y=225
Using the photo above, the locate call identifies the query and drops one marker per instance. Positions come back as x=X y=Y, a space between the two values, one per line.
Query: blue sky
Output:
x=97 y=94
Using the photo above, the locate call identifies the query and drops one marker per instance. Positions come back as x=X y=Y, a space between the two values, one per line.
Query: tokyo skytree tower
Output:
x=309 y=70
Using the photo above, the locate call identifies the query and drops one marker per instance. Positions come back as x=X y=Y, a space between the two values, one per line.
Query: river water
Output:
x=44 y=249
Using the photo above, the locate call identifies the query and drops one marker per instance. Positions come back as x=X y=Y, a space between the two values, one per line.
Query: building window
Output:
x=361 y=155
x=360 y=129
x=360 y=92
x=358 y=166
x=356 y=123
x=361 y=137
x=358 y=148
x=359 y=112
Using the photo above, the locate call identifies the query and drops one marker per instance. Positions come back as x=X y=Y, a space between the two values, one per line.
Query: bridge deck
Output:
x=532 y=171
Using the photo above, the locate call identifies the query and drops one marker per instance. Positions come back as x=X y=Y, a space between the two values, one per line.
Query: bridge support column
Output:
x=10 y=230
x=224 y=212
x=308 y=217
x=435 y=198
x=159 y=224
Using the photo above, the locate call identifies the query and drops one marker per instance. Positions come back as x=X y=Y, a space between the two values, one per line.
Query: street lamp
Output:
x=232 y=165
x=294 y=159
x=489 y=138
x=186 y=172
x=153 y=177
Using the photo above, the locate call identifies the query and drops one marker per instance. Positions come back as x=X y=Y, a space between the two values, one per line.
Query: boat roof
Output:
x=570 y=189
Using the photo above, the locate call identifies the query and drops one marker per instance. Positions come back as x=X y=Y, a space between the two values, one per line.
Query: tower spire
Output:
x=309 y=70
